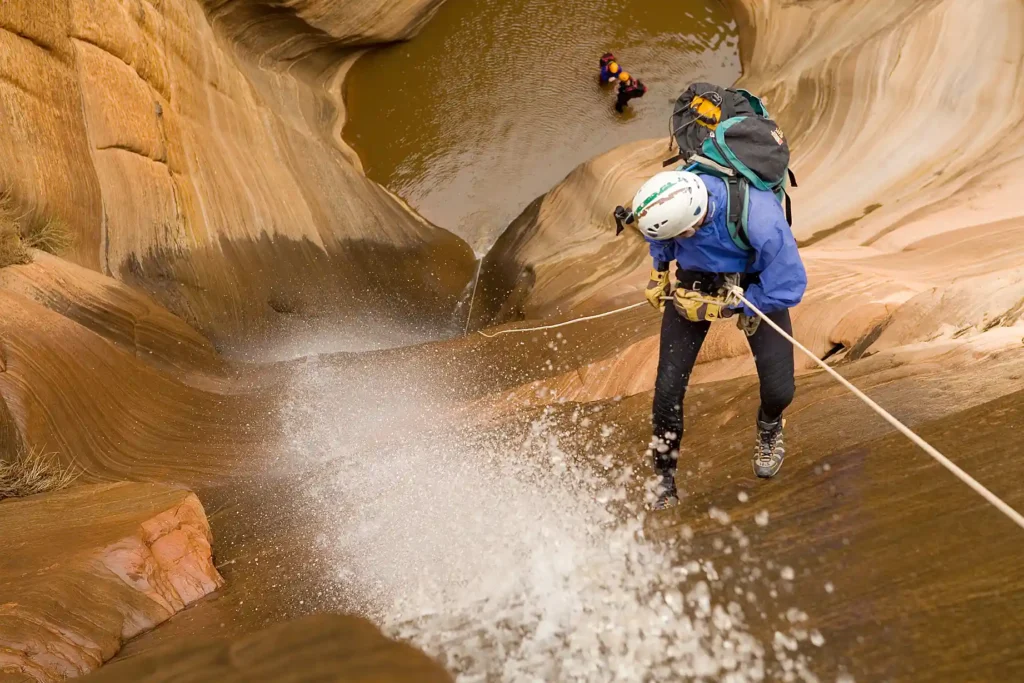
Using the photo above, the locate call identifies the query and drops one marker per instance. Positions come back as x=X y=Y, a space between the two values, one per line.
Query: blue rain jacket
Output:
x=776 y=259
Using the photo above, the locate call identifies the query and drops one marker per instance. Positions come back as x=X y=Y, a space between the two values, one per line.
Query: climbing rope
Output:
x=563 y=324
x=900 y=427
x=585 y=318
x=737 y=292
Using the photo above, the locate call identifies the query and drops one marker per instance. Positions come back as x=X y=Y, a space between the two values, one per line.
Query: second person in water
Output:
x=629 y=88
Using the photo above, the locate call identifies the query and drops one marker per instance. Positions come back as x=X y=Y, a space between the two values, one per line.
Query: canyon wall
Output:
x=192 y=150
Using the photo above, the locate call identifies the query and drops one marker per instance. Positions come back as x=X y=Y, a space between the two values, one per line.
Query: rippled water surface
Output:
x=495 y=102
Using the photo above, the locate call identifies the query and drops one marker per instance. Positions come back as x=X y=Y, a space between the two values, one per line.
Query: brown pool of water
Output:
x=494 y=103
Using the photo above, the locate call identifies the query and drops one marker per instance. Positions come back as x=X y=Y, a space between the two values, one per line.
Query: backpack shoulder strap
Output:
x=738 y=210
x=673 y=159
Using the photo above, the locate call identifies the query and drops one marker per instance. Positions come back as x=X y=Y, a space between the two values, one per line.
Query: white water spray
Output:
x=503 y=555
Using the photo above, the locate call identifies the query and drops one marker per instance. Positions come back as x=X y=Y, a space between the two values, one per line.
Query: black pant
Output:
x=680 y=342
x=624 y=97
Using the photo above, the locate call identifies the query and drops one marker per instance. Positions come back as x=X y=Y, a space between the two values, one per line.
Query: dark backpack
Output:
x=728 y=134
x=698 y=111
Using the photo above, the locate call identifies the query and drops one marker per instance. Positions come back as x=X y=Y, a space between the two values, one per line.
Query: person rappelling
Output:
x=722 y=221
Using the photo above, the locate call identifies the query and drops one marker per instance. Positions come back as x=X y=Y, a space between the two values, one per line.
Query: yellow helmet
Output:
x=624 y=76
x=614 y=67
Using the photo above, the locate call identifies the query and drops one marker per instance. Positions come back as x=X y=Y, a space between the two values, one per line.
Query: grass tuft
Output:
x=20 y=232
x=32 y=472
x=49 y=235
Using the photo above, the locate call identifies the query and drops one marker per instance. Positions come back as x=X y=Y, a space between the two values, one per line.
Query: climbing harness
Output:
x=737 y=292
x=704 y=301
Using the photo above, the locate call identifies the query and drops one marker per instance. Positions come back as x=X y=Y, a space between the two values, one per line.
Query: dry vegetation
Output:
x=32 y=472
x=20 y=232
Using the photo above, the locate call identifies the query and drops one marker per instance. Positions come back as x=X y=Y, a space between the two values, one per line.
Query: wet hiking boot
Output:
x=665 y=490
x=769 y=451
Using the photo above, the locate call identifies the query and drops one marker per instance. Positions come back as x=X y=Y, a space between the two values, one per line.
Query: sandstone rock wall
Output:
x=341 y=23
x=905 y=115
x=563 y=248
x=206 y=170
x=117 y=386
x=129 y=319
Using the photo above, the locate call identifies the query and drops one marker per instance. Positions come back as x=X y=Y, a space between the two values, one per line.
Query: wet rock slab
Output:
x=323 y=647
x=83 y=570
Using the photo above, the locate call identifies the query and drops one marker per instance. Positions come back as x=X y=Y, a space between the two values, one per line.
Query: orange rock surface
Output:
x=197 y=161
x=86 y=569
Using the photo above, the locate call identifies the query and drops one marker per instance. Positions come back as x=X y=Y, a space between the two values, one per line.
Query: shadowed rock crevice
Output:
x=501 y=278
x=409 y=287
x=131 y=150
x=25 y=36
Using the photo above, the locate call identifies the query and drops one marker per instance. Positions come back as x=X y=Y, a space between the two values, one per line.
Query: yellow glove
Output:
x=694 y=305
x=657 y=288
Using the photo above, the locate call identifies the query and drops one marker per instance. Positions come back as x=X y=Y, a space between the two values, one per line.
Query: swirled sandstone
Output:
x=189 y=162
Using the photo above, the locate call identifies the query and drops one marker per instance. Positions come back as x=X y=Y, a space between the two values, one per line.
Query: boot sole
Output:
x=766 y=474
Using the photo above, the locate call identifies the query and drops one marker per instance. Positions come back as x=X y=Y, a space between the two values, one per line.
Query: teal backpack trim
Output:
x=756 y=102
x=737 y=231
x=719 y=152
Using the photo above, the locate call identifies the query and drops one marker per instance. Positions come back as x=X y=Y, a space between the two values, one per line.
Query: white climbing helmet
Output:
x=671 y=204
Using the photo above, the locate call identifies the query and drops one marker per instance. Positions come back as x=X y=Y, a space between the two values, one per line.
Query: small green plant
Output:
x=34 y=471
x=20 y=232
